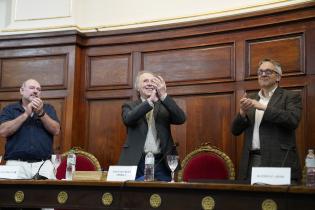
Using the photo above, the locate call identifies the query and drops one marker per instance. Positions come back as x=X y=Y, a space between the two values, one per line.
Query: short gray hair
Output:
x=275 y=63
x=24 y=83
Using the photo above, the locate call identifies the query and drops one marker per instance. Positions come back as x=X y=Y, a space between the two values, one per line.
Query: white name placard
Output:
x=9 y=172
x=271 y=175
x=121 y=173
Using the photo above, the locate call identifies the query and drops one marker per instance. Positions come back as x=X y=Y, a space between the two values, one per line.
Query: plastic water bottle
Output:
x=71 y=160
x=310 y=168
x=149 y=167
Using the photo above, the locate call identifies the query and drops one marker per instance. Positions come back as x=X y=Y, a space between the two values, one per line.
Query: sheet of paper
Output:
x=271 y=175
x=121 y=173
x=9 y=172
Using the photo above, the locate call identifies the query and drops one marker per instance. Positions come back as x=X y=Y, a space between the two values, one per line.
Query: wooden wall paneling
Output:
x=310 y=50
x=301 y=141
x=189 y=43
x=70 y=75
x=106 y=131
x=208 y=119
x=179 y=132
x=239 y=90
x=309 y=131
x=107 y=72
x=240 y=63
x=15 y=70
x=108 y=83
x=48 y=65
x=277 y=42
x=287 y=50
x=239 y=140
x=136 y=68
x=79 y=103
x=59 y=105
x=186 y=97
x=208 y=63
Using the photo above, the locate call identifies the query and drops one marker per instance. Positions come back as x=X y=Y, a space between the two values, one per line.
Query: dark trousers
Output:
x=254 y=161
x=161 y=171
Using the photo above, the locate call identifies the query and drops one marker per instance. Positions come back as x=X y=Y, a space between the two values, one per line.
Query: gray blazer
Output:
x=166 y=112
x=276 y=132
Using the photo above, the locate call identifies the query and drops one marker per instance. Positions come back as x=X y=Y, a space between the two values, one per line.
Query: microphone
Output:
x=37 y=176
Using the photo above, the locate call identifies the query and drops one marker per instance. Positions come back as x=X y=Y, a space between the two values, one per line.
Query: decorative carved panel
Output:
x=49 y=70
x=110 y=71
x=209 y=63
x=287 y=50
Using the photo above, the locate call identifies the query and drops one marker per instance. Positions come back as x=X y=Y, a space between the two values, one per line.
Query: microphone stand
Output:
x=37 y=176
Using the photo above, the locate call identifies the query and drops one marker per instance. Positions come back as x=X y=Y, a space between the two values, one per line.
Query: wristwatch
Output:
x=42 y=114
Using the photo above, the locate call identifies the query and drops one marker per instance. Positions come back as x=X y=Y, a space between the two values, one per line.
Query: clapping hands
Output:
x=248 y=103
x=159 y=89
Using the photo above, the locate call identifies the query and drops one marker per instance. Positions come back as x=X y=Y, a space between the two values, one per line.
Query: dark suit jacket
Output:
x=276 y=132
x=133 y=114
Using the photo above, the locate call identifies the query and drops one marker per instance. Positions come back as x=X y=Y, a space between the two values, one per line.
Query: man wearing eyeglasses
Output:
x=269 y=119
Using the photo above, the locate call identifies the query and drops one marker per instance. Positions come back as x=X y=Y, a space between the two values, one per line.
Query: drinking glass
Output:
x=56 y=160
x=172 y=161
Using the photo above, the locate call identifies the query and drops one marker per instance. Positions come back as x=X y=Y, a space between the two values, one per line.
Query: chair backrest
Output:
x=205 y=163
x=84 y=162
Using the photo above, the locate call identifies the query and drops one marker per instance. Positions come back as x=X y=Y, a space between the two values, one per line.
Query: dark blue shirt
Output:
x=31 y=141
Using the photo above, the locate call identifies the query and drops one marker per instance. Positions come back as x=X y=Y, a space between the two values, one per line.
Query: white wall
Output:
x=23 y=16
x=5 y=9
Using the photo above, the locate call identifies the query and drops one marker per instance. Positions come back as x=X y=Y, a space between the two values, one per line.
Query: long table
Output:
x=152 y=195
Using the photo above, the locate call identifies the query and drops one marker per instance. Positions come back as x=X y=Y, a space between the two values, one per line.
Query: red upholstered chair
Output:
x=206 y=162
x=84 y=162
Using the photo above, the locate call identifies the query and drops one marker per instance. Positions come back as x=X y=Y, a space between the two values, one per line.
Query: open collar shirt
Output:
x=258 y=117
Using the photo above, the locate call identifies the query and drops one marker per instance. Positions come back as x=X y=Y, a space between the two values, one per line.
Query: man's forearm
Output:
x=51 y=125
x=10 y=127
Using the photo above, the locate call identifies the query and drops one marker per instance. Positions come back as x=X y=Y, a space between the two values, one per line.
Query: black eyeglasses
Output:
x=267 y=72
